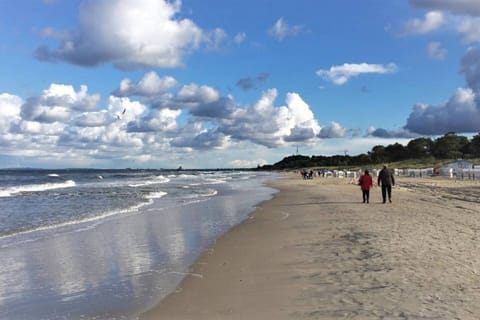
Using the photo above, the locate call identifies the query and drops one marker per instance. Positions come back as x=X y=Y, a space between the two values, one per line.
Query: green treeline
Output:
x=449 y=146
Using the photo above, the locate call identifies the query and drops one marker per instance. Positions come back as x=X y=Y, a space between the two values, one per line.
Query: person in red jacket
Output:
x=366 y=183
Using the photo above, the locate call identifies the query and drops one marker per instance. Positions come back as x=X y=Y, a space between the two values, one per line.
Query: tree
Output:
x=473 y=148
x=419 y=148
x=450 y=146
x=396 y=152
x=378 y=154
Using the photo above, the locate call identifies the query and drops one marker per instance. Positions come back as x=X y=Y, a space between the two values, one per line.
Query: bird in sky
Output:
x=119 y=116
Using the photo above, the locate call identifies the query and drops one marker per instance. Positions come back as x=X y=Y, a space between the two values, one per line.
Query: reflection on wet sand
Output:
x=117 y=269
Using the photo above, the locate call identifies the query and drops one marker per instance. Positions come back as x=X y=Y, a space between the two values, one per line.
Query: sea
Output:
x=110 y=244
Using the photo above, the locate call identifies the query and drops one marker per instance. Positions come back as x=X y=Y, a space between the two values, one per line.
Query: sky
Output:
x=230 y=84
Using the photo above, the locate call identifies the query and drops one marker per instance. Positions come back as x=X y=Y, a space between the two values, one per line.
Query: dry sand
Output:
x=316 y=252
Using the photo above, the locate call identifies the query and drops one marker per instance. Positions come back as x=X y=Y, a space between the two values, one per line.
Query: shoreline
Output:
x=118 y=266
x=315 y=251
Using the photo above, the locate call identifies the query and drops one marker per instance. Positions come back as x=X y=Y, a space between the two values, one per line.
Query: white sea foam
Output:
x=53 y=175
x=210 y=193
x=156 y=180
x=204 y=194
x=214 y=181
x=8 y=192
x=156 y=195
x=95 y=220
x=188 y=176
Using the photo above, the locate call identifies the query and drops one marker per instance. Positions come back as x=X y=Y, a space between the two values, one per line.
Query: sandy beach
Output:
x=315 y=251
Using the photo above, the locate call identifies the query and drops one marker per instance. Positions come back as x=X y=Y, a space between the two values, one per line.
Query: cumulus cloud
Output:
x=129 y=34
x=467 y=7
x=162 y=120
x=435 y=50
x=341 y=74
x=471 y=70
x=61 y=122
x=459 y=114
x=10 y=105
x=93 y=119
x=57 y=103
x=194 y=93
x=199 y=100
x=280 y=30
x=203 y=140
x=470 y=28
x=265 y=124
x=150 y=85
x=465 y=17
x=432 y=21
x=332 y=130
x=10 y=115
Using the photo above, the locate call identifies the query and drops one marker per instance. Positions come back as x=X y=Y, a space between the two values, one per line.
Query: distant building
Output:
x=460 y=165
x=456 y=168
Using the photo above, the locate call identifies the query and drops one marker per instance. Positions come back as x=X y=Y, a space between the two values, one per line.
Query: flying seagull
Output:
x=119 y=116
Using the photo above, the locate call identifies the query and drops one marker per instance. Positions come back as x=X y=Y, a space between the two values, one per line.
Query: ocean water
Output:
x=109 y=244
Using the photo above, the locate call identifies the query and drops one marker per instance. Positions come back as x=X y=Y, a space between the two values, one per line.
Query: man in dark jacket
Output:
x=386 y=180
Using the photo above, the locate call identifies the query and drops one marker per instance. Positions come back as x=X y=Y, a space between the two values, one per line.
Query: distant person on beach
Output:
x=386 y=180
x=366 y=183
x=304 y=174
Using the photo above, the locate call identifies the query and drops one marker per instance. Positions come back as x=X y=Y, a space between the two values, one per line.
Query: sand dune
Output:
x=316 y=252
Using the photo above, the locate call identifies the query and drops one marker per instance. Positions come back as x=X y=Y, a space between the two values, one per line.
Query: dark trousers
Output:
x=366 y=195
x=386 y=189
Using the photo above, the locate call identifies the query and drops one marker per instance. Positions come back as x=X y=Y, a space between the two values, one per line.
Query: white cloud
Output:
x=164 y=119
x=332 y=130
x=133 y=109
x=150 y=85
x=129 y=34
x=470 y=28
x=341 y=74
x=161 y=120
x=93 y=119
x=280 y=30
x=10 y=107
x=247 y=163
x=464 y=16
x=215 y=38
x=265 y=124
x=435 y=50
x=460 y=114
x=57 y=103
x=240 y=37
x=432 y=21
x=41 y=129
x=59 y=123
x=196 y=93
x=467 y=7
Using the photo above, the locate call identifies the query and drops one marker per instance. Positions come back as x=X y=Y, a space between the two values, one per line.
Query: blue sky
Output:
x=209 y=84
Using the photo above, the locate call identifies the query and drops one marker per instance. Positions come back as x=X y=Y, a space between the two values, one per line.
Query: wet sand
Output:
x=315 y=251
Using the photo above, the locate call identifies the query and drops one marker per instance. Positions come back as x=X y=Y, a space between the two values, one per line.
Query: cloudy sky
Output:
x=215 y=83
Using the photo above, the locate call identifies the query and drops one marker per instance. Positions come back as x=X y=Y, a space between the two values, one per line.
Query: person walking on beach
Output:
x=366 y=183
x=386 y=180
